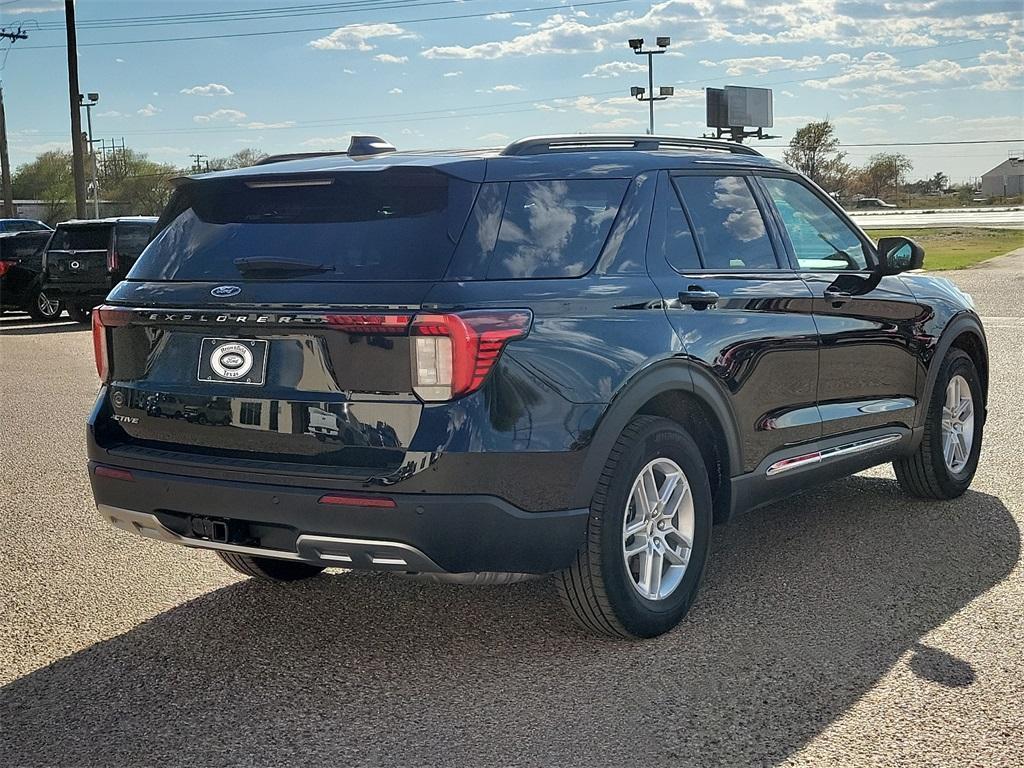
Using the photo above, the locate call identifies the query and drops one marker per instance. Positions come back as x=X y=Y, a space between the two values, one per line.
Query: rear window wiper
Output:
x=277 y=264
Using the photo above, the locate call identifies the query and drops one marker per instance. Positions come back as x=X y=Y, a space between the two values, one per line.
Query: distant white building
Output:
x=1006 y=179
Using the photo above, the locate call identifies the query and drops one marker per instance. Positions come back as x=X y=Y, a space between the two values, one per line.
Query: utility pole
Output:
x=93 y=99
x=197 y=165
x=5 y=161
x=77 y=160
x=637 y=44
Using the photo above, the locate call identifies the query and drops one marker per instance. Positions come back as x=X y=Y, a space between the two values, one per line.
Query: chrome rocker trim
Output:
x=817 y=457
x=328 y=551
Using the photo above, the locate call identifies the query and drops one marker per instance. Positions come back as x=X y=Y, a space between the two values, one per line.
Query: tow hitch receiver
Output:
x=212 y=530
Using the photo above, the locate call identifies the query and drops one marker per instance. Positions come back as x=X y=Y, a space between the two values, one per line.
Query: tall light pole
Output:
x=93 y=98
x=637 y=44
x=76 y=113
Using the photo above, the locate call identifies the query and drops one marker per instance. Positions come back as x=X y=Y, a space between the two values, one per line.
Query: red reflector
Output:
x=358 y=500
x=112 y=472
x=6 y=265
x=370 y=324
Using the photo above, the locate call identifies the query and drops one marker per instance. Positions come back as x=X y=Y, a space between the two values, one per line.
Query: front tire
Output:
x=648 y=535
x=44 y=308
x=269 y=568
x=944 y=463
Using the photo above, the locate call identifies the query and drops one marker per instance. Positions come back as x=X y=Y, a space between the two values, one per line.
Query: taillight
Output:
x=6 y=265
x=102 y=319
x=453 y=353
x=113 y=261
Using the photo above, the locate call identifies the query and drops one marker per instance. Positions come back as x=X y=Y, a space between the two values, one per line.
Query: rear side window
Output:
x=730 y=230
x=132 y=239
x=396 y=224
x=554 y=228
x=81 y=238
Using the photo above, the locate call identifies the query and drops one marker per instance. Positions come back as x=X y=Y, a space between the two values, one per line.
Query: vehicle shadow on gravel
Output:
x=806 y=605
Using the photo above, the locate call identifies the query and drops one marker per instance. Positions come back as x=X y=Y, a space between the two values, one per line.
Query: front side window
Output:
x=820 y=239
x=554 y=228
x=728 y=225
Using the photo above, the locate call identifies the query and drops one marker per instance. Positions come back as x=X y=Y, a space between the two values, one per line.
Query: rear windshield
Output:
x=397 y=224
x=81 y=238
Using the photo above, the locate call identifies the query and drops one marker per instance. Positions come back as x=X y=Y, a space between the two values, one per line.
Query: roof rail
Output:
x=539 y=145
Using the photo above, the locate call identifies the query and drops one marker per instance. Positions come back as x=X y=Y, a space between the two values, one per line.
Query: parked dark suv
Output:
x=571 y=356
x=21 y=274
x=85 y=259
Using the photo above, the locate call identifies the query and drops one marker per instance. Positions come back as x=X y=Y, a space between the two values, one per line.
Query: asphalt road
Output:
x=848 y=625
x=997 y=218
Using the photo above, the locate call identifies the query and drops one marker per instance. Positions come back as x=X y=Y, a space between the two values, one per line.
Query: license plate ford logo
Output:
x=238 y=361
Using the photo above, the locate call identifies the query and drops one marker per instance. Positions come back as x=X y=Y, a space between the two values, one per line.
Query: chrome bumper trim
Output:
x=328 y=551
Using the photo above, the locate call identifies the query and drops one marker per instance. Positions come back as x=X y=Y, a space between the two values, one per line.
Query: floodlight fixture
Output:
x=636 y=43
x=637 y=91
x=664 y=42
x=666 y=90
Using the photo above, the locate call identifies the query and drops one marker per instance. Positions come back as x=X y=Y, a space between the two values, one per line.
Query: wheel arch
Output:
x=963 y=332
x=690 y=396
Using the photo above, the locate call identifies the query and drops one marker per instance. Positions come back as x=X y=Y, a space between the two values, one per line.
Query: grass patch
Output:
x=958 y=247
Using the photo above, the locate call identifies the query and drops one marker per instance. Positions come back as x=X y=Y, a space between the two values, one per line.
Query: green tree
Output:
x=48 y=178
x=243 y=158
x=814 y=151
x=885 y=172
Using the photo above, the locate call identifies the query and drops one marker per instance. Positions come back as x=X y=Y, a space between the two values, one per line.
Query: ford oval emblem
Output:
x=224 y=291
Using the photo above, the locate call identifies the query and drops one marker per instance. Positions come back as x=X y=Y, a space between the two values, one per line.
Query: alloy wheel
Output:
x=957 y=424
x=658 y=529
x=47 y=307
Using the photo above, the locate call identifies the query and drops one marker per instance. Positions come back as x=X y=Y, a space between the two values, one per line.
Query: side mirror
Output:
x=899 y=254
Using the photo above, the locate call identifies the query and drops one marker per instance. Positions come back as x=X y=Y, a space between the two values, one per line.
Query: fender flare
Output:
x=965 y=322
x=656 y=379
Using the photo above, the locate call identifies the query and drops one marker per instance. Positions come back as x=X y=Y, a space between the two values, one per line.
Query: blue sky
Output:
x=884 y=71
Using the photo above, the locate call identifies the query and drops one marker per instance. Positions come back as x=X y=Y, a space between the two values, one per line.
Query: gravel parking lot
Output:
x=845 y=626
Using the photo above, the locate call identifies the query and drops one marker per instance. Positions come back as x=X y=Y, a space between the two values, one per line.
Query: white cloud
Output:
x=456 y=73
x=387 y=58
x=148 y=111
x=349 y=71
x=505 y=88
x=395 y=91
x=333 y=143
x=119 y=61
x=498 y=16
x=218 y=115
x=762 y=64
x=616 y=69
x=493 y=138
x=111 y=113
x=891 y=109
x=258 y=126
x=212 y=89
x=357 y=37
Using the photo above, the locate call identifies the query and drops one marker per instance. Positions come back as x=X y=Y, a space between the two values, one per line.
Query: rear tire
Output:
x=929 y=473
x=44 y=308
x=601 y=590
x=79 y=314
x=269 y=568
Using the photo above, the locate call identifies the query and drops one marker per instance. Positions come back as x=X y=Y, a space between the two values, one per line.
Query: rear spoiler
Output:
x=359 y=147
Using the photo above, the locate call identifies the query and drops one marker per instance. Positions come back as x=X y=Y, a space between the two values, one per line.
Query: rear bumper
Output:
x=422 y=532
x=87 y=294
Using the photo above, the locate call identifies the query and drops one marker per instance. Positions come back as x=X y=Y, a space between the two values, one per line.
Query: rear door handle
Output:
x=698 y=298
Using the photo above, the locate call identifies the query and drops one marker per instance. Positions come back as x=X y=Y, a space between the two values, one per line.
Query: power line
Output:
x=250 y=14
x=276 y=32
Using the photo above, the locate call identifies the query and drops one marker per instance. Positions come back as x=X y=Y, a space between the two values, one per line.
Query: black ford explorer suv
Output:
x=85 y=259
x=570 y=356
